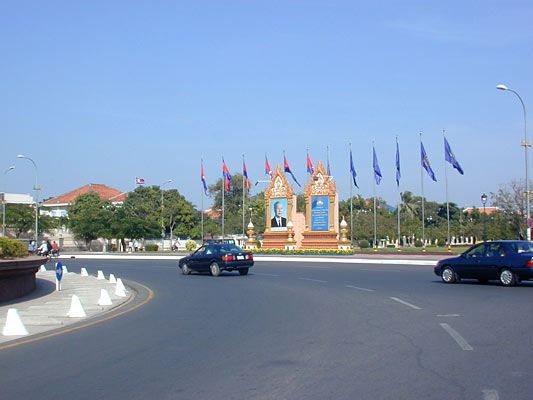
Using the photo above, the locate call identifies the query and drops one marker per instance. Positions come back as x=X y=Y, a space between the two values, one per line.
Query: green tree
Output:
x=21 y=219
x=511 y=201
x=232 y=204
x=89 y=217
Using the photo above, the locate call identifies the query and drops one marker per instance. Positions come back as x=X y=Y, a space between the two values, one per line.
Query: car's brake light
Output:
x=530 y=263
x=250 y=256
x=227 y=257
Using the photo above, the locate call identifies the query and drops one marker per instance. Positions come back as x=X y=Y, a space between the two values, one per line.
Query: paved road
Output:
x=289 y=331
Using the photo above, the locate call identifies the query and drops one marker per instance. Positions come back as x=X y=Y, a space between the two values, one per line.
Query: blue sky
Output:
x=103 y=92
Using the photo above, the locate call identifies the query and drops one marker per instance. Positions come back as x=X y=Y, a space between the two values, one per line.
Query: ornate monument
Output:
x=322 y=211
x=280 y=205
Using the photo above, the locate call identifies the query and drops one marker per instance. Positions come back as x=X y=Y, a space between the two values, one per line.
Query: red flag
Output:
x=245 y=173
x=268 y=170
x=227 y=176
x=310 y=168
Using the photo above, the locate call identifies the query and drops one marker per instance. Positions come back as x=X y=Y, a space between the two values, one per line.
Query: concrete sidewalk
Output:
x=46 y=309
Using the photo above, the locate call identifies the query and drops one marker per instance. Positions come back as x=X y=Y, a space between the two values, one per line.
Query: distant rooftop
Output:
x=105 y=193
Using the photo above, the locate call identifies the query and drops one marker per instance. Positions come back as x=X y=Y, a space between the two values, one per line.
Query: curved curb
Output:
x=141 y=295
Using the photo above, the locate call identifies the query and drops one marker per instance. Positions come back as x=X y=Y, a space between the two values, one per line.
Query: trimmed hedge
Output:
x=10 y=248
x=151 y=247
x=190 y=245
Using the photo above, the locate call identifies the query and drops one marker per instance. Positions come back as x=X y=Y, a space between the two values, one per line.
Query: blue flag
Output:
x=352 y=170
x=398 y=173
x=377 y=171
x=450 y=157
x=425 y=162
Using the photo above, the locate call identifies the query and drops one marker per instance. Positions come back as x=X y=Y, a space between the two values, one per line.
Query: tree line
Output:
x=150 y=212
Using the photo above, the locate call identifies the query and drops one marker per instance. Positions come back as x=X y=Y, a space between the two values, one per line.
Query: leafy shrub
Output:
x=151 y=247
x=190 y=245
x=10 y=248
x=364 y=244
x=419 y=243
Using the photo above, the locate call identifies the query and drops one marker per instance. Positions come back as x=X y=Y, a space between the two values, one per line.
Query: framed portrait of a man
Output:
x=278 y=215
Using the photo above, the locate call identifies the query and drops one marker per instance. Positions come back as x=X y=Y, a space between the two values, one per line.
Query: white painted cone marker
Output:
x=104 y=300
x=65 y=270
x=84 y=272
x=76 y=309
x=120 y=289
x=112 y=278
x=43 y=268
x=100 y=275
x=14 y=325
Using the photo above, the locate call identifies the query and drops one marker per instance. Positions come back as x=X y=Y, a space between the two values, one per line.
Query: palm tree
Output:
x=411 y=204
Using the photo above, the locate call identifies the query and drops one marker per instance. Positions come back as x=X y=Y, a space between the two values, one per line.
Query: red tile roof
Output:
x=105 y=193
x=489 y=210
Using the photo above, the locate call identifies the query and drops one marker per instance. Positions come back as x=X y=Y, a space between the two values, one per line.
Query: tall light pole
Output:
x=162 y=206
x=526 y=144
x=36 y=188
x=4 y=204
x=484 y=201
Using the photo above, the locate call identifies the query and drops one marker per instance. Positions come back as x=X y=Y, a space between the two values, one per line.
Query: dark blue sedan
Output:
x=217 y=257
x=509 y=261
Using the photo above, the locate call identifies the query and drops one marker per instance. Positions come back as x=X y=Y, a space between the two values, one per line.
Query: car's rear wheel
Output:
x=507 y=277
x=185 y=269
x=448 y=275
x=243 y=271
x=214 y=269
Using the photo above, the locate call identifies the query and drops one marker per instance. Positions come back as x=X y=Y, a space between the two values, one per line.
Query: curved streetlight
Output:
x=36 y=188
x=162 y=206
x=4 y=204
x=526 y=144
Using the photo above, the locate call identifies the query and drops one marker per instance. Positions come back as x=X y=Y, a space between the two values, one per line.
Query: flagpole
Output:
x=328 y=171
x=203 y=193
x=351 y=203
x=422 y=186
x=243 y=195
x=399 y=197
x=375 y=217
x=447 y=202
x=223 y=190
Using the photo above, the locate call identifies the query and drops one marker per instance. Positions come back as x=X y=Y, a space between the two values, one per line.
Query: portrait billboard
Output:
x=278 y=215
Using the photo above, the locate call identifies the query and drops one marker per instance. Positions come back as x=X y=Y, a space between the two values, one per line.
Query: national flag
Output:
x=425 y=162
x=245 y=174
x=352 y=170
x=377 y=171
x=310 y=168
x=139 y=181
x=226 y=175
x=203 y=179
x=450 y=157
x=268 y=170
x=288 y=169
x=398 y=173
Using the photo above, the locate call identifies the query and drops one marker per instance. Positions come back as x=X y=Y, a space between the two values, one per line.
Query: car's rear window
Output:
x=522 y=247
x=229 y=248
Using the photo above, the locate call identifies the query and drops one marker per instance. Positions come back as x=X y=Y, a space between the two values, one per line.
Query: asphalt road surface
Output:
x=289 y=331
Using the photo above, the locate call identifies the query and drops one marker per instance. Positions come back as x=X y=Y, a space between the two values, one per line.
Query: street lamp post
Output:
x=162 y=206
x=36 y=188
x=484 y=201
x=526 y=144
x=4 y=204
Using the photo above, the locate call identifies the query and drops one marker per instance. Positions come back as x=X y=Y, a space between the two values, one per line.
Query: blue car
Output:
x=217 y=257
x=509 y=261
